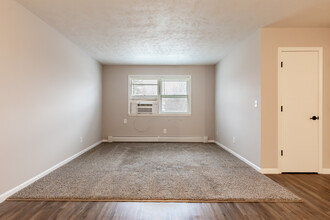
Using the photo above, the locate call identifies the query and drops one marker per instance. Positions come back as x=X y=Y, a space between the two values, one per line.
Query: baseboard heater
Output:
x=157 y=139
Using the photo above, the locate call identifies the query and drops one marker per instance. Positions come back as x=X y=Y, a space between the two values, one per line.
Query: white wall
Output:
x=115 y=103
x=237 y=87
x=50 y=96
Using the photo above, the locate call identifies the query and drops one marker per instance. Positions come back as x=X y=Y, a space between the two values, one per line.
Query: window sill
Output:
x=160 y=115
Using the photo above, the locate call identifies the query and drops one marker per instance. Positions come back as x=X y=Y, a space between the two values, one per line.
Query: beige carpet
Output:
x=182 y=172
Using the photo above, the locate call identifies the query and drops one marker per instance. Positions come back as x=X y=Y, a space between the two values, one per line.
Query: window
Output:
x=159 y=95
x=174 y=96
x=144 y=88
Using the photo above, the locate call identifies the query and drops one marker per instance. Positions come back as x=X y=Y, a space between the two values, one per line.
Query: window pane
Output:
x=145 y=81
x=175 y=105
x=171 y=87
x=144 y=90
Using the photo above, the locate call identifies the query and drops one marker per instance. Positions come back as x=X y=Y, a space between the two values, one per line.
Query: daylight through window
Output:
x=159 y=95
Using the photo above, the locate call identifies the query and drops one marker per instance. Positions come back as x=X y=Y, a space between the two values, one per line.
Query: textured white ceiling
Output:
x=165 y=31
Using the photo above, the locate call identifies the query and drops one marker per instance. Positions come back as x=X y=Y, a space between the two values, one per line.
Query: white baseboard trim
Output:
x=156 y=139
x=238 y=156
x=325 y=171
x=270 y=171
x=7 y=194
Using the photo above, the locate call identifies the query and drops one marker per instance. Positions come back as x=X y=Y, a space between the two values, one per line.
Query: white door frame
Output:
x=279 y=87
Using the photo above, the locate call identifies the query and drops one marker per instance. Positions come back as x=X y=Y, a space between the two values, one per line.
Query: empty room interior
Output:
x=153 y=109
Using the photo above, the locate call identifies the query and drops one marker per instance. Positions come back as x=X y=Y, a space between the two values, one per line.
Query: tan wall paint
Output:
x=50 y=95
x=237 y=86
x=271 y=39
x=115 y=103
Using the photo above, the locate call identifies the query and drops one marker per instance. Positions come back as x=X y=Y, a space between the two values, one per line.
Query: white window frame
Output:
x=159 y=96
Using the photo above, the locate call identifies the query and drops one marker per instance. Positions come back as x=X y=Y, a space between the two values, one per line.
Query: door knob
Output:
x=315 y=118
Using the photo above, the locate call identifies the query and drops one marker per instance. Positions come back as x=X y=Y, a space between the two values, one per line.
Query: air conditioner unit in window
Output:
x=144 y=107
